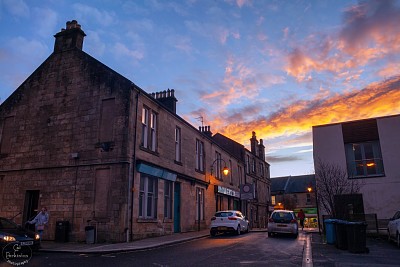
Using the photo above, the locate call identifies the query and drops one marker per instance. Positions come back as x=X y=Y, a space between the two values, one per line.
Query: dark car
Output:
x=14 y=234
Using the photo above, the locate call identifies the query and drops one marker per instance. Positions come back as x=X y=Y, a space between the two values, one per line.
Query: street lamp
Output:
x=225 y=170
x=309 y=189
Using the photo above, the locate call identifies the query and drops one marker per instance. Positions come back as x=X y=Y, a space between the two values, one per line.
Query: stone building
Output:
x=96 y=149
x=255 y=189
x=295 y=193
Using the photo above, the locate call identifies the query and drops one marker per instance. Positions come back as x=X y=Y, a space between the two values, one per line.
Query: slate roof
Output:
x=292 y=184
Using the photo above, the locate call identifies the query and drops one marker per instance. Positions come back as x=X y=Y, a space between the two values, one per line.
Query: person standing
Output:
x=40 y=221
x=301 y=216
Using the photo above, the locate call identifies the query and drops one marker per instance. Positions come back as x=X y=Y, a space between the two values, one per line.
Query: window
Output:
x=6 y=134
x=168 y=199
x=230 y=172
x=178 y=144
x=253 y=165
x=273 y=200
x=364 y=159
x=218 y=168
x=247 y=164
x=145 y=125
x=199 y=155
x=149 y=130
x=148 y=197
x=153 y=131
x=261 y=169
x=107 y=120
x=308 y=199
x=199 y=203
x=240 y=174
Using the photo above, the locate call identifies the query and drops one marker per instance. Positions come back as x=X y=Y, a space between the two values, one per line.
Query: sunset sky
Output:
x=273 y=67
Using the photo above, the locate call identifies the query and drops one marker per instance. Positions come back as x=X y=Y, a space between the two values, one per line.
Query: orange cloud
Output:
x=370 y=33
x=378 y=99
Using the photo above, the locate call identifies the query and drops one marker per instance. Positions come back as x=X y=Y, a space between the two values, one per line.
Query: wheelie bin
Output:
x=357 y=237
x=330 y=231
x=341 y=234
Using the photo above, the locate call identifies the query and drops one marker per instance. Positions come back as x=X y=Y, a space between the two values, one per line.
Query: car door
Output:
x=243 y=222
x=394 y=224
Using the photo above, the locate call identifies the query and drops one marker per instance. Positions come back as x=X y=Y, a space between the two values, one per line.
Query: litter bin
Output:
x=357 y=237
x=330 y=231
x=90 y=232
x=341 y=234
x=62 y=228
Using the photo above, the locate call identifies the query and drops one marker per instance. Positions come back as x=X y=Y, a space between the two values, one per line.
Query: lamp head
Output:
x=225 y=171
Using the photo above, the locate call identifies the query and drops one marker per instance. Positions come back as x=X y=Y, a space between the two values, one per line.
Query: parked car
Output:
x=283 y=221
x=12 y=233
x=393 y=228
x=229 y=221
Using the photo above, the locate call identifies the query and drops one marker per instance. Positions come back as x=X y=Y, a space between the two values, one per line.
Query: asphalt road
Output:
x=252 y=249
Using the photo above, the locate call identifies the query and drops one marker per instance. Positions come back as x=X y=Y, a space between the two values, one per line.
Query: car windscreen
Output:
x=6 y=224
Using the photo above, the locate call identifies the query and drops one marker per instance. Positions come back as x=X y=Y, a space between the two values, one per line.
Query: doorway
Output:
x=31 y=207
x=177 y=208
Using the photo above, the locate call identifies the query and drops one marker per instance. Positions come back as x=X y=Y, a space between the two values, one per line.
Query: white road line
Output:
x=307 y=252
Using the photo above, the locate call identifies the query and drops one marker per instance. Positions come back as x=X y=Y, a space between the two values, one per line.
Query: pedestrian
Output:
x=301 y=216
x=40 y=221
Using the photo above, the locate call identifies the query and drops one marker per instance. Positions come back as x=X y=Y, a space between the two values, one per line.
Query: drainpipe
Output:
x=131 y=176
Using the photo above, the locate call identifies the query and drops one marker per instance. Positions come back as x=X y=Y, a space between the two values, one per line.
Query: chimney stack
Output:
x=205 y=130
x=69 y=38
x=254 y=144
x=167 y=98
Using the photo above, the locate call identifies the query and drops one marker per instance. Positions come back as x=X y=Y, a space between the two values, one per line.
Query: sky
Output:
x=275 y=67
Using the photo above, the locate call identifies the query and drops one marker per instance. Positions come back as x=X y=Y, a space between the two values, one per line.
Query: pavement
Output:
x=316 y=251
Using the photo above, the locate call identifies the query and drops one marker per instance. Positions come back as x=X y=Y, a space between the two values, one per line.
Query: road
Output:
x=252 y=249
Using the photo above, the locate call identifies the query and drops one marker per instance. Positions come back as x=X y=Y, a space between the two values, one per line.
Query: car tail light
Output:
x=293 y=221
x=213 y=218
x=232 y=218
x=271 y=220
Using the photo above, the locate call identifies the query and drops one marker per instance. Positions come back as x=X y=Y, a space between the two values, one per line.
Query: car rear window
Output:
x=282 y=215
x=223 y=214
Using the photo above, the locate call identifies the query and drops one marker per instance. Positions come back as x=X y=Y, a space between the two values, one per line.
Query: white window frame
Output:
x=218 y=159
x=145 y=125
x=148 y=198
x=199 y=155
x=153 y=131
x=178 y=144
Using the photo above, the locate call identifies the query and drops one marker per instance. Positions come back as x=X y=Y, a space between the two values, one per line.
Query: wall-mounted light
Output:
x=225 y=170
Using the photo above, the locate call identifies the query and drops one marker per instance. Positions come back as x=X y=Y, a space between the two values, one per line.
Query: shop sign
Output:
x=227 y=191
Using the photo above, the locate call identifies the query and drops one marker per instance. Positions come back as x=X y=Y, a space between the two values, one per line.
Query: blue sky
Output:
x=273 y=67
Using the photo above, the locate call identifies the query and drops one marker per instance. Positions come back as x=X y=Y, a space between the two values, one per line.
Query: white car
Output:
x=283 y=221
x=393 y=228
x=227 y=221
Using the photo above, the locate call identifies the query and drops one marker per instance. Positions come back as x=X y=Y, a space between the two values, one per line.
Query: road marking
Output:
x=307 y=252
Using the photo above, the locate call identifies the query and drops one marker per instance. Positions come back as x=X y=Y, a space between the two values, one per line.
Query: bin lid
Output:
x=357 y=223
x=330 y=220
x=87 y=228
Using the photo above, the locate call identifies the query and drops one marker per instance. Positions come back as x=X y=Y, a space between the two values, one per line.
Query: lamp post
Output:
x=309 y=189
x=225 y=170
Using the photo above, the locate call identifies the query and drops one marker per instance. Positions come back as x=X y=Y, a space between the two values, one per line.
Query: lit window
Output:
x=364 y=159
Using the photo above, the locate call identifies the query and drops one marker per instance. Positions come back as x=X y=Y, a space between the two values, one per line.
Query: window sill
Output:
x=143 y=220
x=155 y=153
x=178 y=163
x=367 y=177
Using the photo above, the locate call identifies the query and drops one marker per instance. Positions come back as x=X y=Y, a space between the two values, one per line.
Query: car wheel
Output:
x=238 y=230
x=388 y=235
x=213 y=233
x=398 y=239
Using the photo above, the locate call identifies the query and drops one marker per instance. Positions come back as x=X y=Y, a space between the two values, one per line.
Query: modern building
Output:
x=295 y=193
x=367 y=150
x=97 y=150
